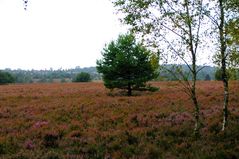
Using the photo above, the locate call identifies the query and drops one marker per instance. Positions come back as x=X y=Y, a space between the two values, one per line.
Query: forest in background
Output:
x=49 y=76
x=67 y=75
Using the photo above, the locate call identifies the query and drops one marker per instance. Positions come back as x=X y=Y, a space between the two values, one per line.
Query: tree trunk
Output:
x=194 y=77
x=129 y=89
x=223 y=63
x=194 y=99
x=225 y=104
x=196 y=116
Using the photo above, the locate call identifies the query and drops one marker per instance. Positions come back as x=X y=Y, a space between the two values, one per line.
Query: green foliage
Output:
x=232 y=5
x=232 y=74
x=82 y=77
x=6 y=78
x=232 y=42
x=218 y=75
x=127 y=64
x=233 y=31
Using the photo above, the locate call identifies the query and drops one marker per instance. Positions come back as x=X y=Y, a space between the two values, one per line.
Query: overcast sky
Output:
x=55 y=33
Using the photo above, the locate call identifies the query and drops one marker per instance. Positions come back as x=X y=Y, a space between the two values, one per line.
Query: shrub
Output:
x=82 y=77
x=6 y=78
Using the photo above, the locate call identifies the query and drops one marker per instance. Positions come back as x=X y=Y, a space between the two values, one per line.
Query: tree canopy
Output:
x=127 y=64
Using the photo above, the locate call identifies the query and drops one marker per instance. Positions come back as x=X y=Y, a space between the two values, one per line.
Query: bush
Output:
x=82 y=77
x=6 y=78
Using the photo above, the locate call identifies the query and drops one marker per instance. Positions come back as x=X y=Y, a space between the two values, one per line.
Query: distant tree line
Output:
x=207 y=73
x=49 y=76
x=69 y=75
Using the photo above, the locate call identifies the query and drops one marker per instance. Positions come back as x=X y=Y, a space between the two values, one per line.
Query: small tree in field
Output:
x=127 y=64
x=82 y=77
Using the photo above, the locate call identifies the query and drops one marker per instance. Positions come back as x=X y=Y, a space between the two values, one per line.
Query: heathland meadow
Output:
x=85 y=120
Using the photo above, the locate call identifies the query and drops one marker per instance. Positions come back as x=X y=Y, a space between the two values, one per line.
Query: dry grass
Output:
x=80 y=120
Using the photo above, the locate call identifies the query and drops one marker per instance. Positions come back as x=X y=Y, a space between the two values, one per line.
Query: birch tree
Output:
x=175 y=26
x=223 y=47
x=224 y=16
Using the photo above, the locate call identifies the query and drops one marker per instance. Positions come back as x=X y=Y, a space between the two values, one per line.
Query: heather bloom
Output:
x=29 y=144
x=40 y=124
x=179 y=118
